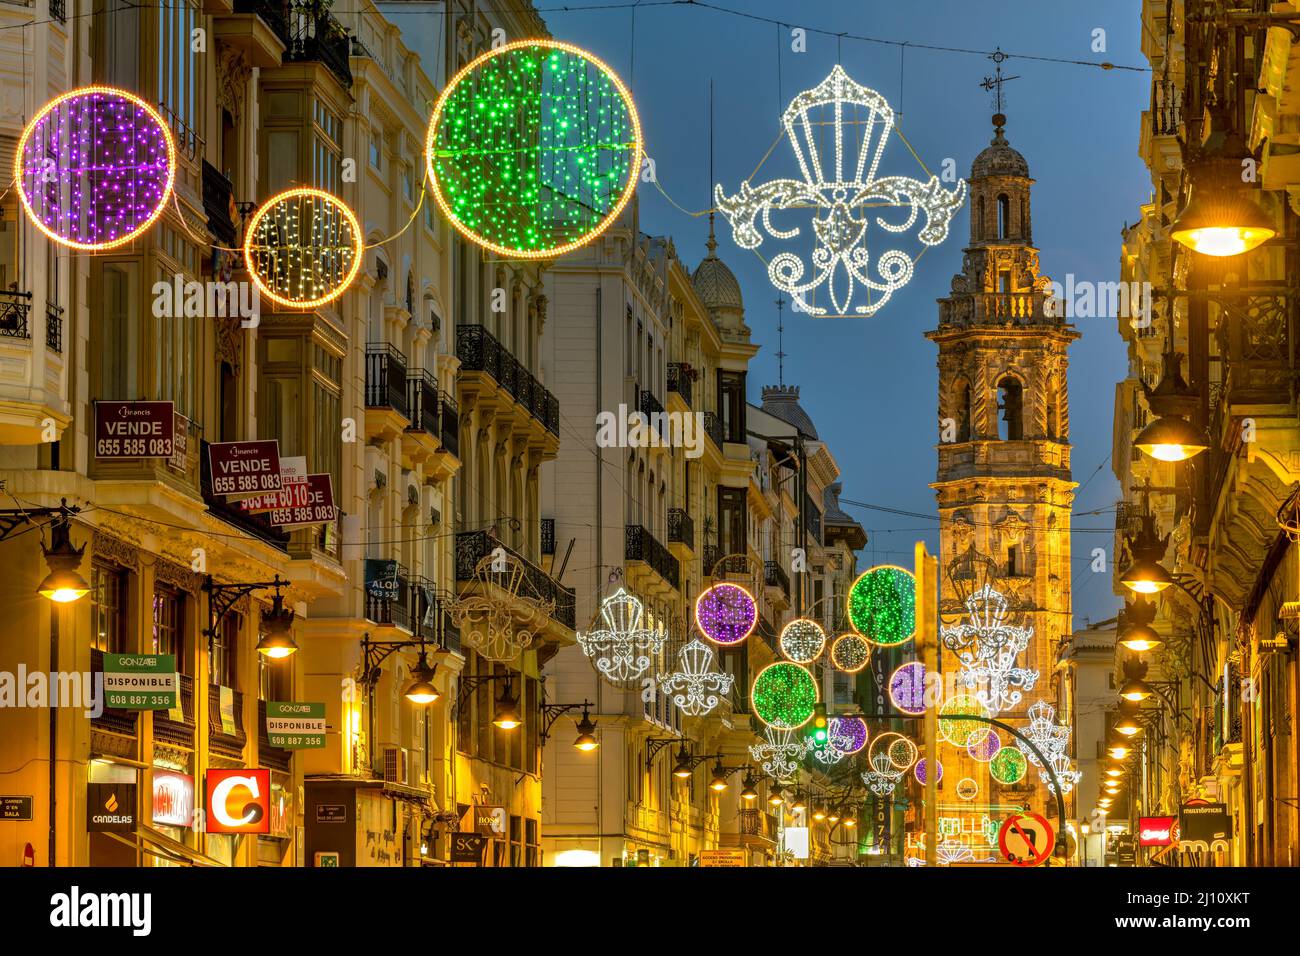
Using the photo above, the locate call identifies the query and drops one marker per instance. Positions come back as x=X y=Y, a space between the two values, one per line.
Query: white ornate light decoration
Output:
x=627 y=642
x=883 y=776
x=838 y=132
x=780 y=753
x=696 y=688
x=1052 y=739
x=987 y=648
x=504 y=613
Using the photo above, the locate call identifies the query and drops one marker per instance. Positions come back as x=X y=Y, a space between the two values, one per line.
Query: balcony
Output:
x=420 y=439
x=249 y=522
x=217 y=198
x=220 y=742
x=996 y=308
x=480 y=352
x=446 y=460
x=774 y=577
x=316 y=36
x=54 y=328
x=653 y=410
x=679 y=382
x=473 y=546
x=387 y=407
x=177 y=733
x=120 y=723
x=262 y=37
x=15 y=315
x=394 y=612
x=681 y=533
x=642 y=550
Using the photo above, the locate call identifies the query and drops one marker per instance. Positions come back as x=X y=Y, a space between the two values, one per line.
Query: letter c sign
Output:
x=239 y=801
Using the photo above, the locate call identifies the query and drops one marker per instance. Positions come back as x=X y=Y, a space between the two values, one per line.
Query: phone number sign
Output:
x=141 y=682
x=135 y=429
x=245 y=467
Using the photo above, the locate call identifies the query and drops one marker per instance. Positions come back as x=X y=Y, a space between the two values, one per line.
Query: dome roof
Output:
x=999 y=159
x=782 y=401
x=716 y=284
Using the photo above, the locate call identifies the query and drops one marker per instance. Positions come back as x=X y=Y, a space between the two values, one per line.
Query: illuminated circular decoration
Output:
x=848 y=735
x=726 y=613
x=850 y=653
x=984 y=748
x=919 y=771
x=907 y=688
x=959 y=732
x=967 y=788
x=802 y=640
x=95 y=168
x=783 y=696
x=882 y=605
x=534 y=148
x=303 y=248
x=1008 y=766
x=899 y=751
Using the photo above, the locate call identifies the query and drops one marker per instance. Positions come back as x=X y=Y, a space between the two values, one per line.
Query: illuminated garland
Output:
x=907 y=688
x=780 y=753
x=841 y=189
x=534 y=148
x=899 y=751
x=1052 y=739
x=987 y=647
x=850 y=653
x=802 y=640
x=1008 y=766
x=883 y=776
x=967 y=788
x=696 y=688
x=303 y=248
x=628 y=641
x=952 y=728
x=984 y=749
x=882 y=605
x=783 y=696
x=848 y=734
x=726 y=613
x=95 y=168
x=919 y=771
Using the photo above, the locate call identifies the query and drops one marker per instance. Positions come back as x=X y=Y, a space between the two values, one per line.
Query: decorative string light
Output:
x=1008 y=766
x=1052 y=740
x=987 y=648
x=986 y=748
x=883 y=776
x=534 y=149
x=303 y=248
x=967 y=788
x=696 y=688
x=840 y=187
x=882 y=605
x=952 y=728
x=780 y=752
x=95 y=167
x=907 y=688
x=898 y=751
x=802 y=640
x=848 y=734
x=784 y=696
x=726 y=613
x=627 y=642
x=850 y=653
x=920 y=771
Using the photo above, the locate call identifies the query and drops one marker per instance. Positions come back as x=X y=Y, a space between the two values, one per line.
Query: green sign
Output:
x=141 y=682
x=295 y=726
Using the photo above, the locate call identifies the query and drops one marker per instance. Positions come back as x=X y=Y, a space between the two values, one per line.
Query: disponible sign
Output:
x=292 y=725
x=141 y=682
x=245 y=468
x=135 y=429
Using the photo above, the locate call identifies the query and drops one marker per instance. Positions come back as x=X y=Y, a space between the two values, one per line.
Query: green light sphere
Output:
x=882 y=605
x=1008 y=766
x=784 y=696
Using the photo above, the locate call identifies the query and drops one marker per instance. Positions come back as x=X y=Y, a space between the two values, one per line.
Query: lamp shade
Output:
x=1221 y=221
x=1171 y=438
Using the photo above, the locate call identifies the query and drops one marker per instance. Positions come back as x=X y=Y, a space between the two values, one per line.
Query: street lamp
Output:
x=819 y=813
x=1118 y=750
x=1221 y=218
x=1171 y=438
x=1127 y=724
x=1146 y=576
x=586 y=740
x=683 y=767
x=1141 y=637
x=775 y=798
x=506 y=715
x=420 y=689
x=748 y=793
x=64 y=584
x=277 y=640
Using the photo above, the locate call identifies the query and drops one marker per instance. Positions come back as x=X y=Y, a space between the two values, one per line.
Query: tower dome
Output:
x=716 y=284
x=998 y=158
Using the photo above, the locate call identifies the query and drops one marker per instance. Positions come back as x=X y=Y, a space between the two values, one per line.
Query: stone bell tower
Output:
x=1003 y=482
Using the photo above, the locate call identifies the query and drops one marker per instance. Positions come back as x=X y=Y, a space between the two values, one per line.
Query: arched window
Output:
x=1054 y=411
x=1010 y=403
x=979 y=218
x=963 y=412
x=1004 y=216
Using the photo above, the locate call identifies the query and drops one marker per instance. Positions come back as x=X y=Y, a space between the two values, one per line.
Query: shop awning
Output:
x=148 y=840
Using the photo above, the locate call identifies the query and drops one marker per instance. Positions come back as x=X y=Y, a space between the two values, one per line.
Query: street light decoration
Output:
x=726 y=613
x=883 y=775
x=627 y=642
x=780 y=752
x=1052 y=739
x=1008 y=766
x=953 y=728
x=907 y=688
x=845 y=195
x=503 y=614
x=303 y=248
x=987 y=648
x=850 y=653
x=695 y=687
x=802 y=640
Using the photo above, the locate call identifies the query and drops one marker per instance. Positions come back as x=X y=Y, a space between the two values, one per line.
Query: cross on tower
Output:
x=994 y=83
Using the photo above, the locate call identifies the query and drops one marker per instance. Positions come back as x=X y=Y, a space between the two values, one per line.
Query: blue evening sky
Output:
x=870 y=384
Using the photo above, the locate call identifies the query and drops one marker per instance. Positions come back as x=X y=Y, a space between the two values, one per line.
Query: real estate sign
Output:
x=141 y=682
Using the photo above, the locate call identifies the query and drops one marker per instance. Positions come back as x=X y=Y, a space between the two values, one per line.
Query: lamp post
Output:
x=586 y=741
x=276 y=640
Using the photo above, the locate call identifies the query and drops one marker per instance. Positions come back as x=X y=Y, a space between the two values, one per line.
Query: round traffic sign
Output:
x=1026 y=839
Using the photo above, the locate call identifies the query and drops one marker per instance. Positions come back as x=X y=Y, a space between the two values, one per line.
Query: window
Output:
x=1004 y=216
x=168 y=633
x=377 y=149
x=732 y=533
x=177 y=77
x=1010 y=397
x=327 y=147
x=532 y=845
x=516 y=841
x=408 y=184
x=532 y=718
x=10 y=229
x=113 y=338
x=1012 y=568
x=108 y=609
x=175 y=346
x=221 y=651
x=979 y=218
x=274 y=678
x=963 y=412
x=731 y=405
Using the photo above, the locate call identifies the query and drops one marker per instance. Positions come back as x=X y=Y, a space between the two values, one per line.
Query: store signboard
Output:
x=467 y=847
x=1204 y=826
x=295 y=725
x=724 y=858
x=239 y=801
x=173 y=798
x=110 y=807
x=16 y=808
x=141 y=682
x=134 y=430
x=241 y=469
x=1156 y=831
x=381 y=579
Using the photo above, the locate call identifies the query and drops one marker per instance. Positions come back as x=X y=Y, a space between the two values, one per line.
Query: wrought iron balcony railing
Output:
x=479 y=351
x=15 y=314
x=640 y=545
x=449 y=422
x=1166 y=109
x=386 y=378
x=681 y=527
x=679 y=380
x=774 y=576
x=315 y=35
x=422 y=401
x=473 y=546
x=54 y=327
x=217 y=192
x=274 y=14
x=713 y=428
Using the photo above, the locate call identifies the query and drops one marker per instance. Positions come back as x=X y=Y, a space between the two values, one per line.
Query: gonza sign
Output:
x=239 y=801
x=1157 y=831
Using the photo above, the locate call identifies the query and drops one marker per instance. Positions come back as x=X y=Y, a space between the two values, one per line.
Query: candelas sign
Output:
x=239 y=801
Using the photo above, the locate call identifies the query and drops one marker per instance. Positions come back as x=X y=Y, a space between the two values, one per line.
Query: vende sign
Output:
x=1156 y=831
x=318 y=508
x=245 y=468
x=135 y=429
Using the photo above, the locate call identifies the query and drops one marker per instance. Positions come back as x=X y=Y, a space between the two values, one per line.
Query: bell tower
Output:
x=1003 y=481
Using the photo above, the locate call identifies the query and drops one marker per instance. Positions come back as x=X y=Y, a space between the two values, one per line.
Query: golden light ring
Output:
x=251 y=231
x=634 y=166
x=167 y=187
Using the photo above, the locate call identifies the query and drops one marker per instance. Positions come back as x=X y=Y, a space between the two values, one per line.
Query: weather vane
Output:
x=994 y=83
